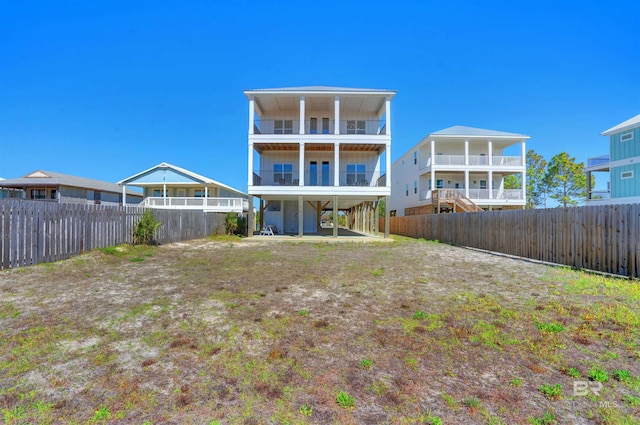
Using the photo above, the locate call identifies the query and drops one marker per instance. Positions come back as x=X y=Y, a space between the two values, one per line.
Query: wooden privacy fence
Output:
x=603 y=238
x=33 y=232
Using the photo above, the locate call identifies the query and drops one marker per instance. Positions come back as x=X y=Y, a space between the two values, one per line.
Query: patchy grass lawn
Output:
x=227 y=332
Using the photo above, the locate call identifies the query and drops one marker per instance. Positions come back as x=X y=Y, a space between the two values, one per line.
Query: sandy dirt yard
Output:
x=223 y=331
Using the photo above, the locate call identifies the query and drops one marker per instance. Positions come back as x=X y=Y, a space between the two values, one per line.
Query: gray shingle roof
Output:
x=462 y=131
x=52 y=178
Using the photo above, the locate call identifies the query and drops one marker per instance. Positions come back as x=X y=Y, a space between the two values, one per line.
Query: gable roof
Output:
x=196 y=178
x=629 y=124
x=52 y=178
x=463 y=131
x=320 y=89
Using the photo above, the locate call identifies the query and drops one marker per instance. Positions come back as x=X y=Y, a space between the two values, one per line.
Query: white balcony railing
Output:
x=483 y=194
x=193 y=203
x=474 y=160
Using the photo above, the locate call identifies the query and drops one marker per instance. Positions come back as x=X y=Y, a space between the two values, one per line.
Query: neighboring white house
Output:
x=622 y=164
x=50 y=186
x=315 y=149
x=458 y=169
x=166 y=186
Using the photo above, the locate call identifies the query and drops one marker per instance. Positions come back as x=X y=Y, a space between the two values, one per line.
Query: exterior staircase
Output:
x=454 y=199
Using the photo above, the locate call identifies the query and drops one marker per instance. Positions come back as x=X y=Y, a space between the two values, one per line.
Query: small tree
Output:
x=566 y=180
x=234 y=224
x=536 y=183
x=145 y=229
x=512 y=182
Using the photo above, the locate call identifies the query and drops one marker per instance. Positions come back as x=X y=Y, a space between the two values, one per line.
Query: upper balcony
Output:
x=323 y=126
x=237 y=205
x=458 y=161
x=598 y=163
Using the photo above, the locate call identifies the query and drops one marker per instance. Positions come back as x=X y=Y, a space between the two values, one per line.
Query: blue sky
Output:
x=107 y=89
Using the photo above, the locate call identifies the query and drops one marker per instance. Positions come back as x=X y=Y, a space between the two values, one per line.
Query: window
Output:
x=483 y=184
x=97 y=198
x=313 y=173
x=283 y=127
x=355 y=127
x=415 y=186
x=282 y=173
x=325 y=173
x=273 y=206
x=325 y=125
x=38 y=194
x=415 y=157
x=356 y=175
x=406 y=189
x=198 y=193
x=157 y=193
x=54 y=194
x=313 y=126
x=626 y=175
x=626 y=137
x=439 y=183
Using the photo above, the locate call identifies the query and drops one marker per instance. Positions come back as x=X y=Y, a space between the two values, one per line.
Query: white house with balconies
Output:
x=459 y=169
x=166 y=186
x=318 y=149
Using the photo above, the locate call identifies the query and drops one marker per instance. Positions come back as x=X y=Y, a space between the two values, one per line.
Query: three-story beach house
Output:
x=319 y=149
x=622 y=163
x=459 y=169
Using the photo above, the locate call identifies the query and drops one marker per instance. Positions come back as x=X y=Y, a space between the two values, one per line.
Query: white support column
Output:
x=524 y=185
x=433 y=161
x=301 y=165
x=251 y=222
x=490 y=184
x=335 y=216
x=336 y=164
x=302 y=114
x=206 y=192
x=388 y=164
x=252 y=109
x=336 y=115
x=300 y=216
x=388 y=115
x=164 y=194
x=490 y=149
x=124 y=195
x=523 y=153
x=250 y=168
x=387 y=217
x=466 y=183
x=466 y=151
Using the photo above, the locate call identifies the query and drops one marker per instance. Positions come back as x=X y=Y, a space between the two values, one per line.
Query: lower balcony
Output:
x=481 y=196
x=363 y=179
x=197 y=203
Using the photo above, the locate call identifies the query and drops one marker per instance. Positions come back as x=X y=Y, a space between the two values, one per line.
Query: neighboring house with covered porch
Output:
x=459 y=169
x=51 y=186
x=622 y=164
x=319 y=149
x=167 y=186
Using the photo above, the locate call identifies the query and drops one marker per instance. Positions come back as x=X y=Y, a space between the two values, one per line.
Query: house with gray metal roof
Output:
x=319 y=149
x=460 y=169
x=51 y=186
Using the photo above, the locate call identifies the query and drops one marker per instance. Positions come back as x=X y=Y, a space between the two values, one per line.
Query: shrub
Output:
x=621 y=375
x=344 y=400
x=597 y=374
x=551 y=391
x=145 y=229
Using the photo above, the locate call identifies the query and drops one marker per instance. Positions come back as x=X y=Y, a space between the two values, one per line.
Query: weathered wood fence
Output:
x=603 y=238
x=33 y=232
